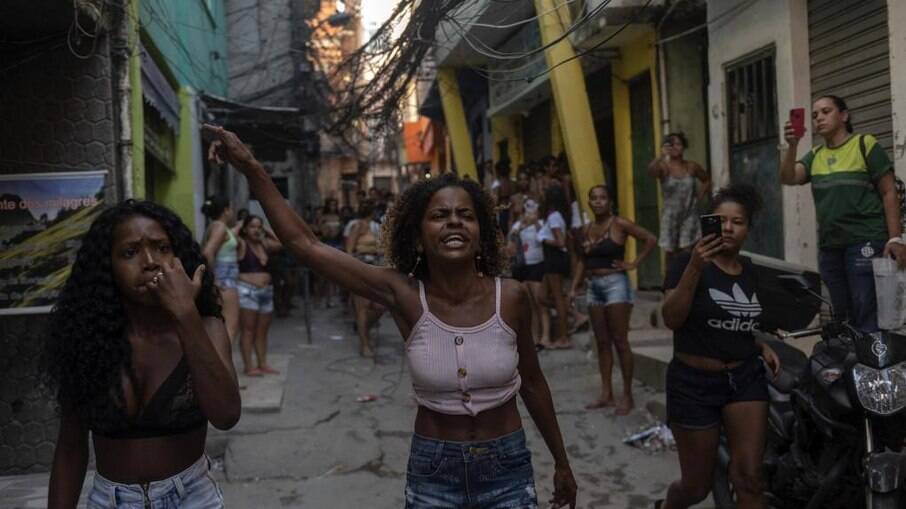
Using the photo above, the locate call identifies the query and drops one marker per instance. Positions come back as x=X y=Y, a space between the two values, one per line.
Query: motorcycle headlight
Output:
x=881 y=391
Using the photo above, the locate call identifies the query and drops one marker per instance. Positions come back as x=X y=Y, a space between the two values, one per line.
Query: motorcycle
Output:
x=836 y=420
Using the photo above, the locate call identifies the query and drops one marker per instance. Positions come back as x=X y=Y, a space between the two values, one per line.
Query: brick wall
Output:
x=56 y=114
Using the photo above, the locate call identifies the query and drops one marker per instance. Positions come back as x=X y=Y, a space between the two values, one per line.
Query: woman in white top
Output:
x=529 y=269
x=469 y=341
x=553 y=236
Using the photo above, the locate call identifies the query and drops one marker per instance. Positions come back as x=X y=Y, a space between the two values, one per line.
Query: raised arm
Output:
x=382 y=285
x=70 y=461
x=678 y=301
x=792 y=172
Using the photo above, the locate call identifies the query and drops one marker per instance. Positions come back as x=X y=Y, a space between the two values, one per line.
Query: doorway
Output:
x=647 y=215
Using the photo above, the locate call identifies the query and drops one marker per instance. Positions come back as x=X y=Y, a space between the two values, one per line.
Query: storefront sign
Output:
x=42 y=219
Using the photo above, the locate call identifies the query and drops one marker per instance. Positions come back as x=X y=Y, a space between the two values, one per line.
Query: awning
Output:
x=158 y=93
x=270 y=129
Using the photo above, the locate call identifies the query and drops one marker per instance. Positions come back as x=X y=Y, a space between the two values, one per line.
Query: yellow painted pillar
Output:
x=509 y=128
x=571 y=101
x=455 y=117
x=637 y=59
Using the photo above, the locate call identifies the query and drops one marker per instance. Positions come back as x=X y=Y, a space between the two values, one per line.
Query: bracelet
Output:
x=897 y=240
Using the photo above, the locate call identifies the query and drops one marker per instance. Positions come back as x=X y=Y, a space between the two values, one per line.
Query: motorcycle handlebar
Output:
x=802 y=333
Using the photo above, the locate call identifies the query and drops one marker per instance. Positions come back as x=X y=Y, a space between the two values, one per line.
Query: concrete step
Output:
x=263 y=394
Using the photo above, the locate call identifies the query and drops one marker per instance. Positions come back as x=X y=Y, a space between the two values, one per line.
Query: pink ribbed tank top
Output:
x=462 y=370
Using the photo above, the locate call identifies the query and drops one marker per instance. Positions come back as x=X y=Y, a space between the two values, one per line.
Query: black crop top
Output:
x=172 y=410
x=603 y=253
x=250 y=263
x=724 y=314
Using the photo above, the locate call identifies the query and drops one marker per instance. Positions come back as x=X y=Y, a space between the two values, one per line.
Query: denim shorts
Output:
x=193 y=488
x=695 y=397
x=254 y=298
x=609 y=289
x=226 y=274
x=448 y=475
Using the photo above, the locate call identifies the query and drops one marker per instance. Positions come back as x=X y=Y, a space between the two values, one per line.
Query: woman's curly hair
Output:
x=403 y=226
x=87 y=349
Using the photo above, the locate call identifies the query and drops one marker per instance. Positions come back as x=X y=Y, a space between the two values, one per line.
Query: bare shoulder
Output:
x=513 y=295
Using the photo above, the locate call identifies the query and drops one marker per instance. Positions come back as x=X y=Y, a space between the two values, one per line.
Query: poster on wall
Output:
x=42 y=218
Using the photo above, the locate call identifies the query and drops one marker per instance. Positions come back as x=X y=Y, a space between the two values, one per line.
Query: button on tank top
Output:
x=462 y=370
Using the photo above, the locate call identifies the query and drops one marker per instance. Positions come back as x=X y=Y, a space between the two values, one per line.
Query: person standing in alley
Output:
x=602 y=249
x=220 y=252
x=856 y=204
x=554 y=237
x=140 y=361
x=684 y=184
x=364 y=242
x=468 y=336
x=717 y=376
x=256 y=293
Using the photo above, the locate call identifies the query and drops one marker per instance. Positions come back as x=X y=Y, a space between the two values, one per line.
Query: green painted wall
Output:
x=686 y=89
x=175 y=189
x=190 y=37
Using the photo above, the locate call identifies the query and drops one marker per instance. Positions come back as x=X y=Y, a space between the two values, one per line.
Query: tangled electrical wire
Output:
x=381 y=70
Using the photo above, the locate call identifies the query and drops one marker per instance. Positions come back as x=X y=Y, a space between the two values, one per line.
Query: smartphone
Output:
x=711 y=224
x=797 y=120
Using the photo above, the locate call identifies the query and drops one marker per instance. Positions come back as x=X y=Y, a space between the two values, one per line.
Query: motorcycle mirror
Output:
x=798 y=286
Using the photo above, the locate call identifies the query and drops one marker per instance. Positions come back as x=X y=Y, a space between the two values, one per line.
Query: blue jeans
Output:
x=255 y=298
x=849 y=278
x=226 y=274
x=609 y=289
x=193 y=488
x=496 y=474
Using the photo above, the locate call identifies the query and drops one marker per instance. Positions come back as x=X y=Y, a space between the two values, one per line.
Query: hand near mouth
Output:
x=174 y=290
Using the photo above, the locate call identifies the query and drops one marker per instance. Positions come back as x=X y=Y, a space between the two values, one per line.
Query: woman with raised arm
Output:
x=138 y=355
x=468 y=337
x=256 y=293
x=856 y=204
x=684 y=184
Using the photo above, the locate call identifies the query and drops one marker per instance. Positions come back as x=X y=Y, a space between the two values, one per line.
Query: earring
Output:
x=478 y=265
x=418 y=260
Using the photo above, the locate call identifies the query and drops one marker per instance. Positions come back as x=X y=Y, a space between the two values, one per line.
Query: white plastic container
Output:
x=890 y=290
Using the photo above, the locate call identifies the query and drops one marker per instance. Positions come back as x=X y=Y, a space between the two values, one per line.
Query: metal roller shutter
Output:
x=850 y=57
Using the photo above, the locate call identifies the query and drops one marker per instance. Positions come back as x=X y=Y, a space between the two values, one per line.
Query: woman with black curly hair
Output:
x=717 y=377
x=139 y=356
x=468 y=336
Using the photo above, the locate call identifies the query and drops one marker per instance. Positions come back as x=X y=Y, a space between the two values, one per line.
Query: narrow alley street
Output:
x=326 y=449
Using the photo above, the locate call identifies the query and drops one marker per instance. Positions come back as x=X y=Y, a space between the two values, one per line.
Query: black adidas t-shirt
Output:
x=725 y=311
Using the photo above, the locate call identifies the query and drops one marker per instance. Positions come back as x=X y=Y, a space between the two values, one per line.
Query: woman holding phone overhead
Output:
x=684 y=184
x=468 y=336
x=856 y=204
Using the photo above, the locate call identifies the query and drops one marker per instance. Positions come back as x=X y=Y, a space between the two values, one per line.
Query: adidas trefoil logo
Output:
x=744 y=310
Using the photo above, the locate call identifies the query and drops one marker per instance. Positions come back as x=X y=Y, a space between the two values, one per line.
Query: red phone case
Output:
x=797 y=120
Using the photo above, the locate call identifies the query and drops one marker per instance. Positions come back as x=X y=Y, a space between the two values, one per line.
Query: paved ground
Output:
x=323 y=448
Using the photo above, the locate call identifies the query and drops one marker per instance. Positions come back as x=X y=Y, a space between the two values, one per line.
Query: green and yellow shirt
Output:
x=843 y=181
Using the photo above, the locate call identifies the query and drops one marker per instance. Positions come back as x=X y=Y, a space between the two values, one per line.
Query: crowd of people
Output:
x=139 y=348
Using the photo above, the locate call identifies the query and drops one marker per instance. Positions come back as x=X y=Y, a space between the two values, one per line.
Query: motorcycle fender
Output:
x=885 y=471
